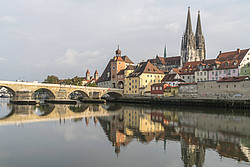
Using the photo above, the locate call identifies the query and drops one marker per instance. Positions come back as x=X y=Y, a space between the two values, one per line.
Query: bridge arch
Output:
x=12 y=91
x=78 y=93
x=49 y=92
x=111 y=95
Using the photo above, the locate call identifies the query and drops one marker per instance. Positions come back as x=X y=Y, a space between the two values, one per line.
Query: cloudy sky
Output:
x=66 y=37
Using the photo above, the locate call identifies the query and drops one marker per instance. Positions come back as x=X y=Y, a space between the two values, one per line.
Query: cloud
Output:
x=172 y=27
x=2 y=59
x=8 y=19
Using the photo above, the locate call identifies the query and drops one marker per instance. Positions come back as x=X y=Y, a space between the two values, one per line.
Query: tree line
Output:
x=70 y=81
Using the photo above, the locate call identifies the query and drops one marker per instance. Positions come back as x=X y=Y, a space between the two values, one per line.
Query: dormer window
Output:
x=226 y=64
x=235 y=63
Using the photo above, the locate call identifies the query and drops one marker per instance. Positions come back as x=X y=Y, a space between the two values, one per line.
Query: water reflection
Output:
x=224 y=132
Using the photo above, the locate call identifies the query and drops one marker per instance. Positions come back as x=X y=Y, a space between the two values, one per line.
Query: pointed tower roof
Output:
x=188 y=24
x=198 y=27
x=118 y=51
x=87 y=71
x=165 y=52
x=96 y=72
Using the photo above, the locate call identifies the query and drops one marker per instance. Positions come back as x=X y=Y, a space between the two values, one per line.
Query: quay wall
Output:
x=193 y=102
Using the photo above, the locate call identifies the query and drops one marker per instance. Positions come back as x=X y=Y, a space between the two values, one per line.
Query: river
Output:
x=122 y=135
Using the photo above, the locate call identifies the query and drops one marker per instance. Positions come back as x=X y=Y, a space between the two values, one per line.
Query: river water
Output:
x=107 y=135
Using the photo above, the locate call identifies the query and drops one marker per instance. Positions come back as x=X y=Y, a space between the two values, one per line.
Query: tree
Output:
x=91 y=84
x=52 y=79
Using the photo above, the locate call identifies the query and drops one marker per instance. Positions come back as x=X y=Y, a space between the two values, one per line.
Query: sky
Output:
x=66 y=37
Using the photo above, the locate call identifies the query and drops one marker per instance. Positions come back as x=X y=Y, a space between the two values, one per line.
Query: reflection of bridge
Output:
x=25 y=90
x=28 y=113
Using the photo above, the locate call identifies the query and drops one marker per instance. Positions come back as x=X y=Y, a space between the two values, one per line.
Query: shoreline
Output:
x=195 y=102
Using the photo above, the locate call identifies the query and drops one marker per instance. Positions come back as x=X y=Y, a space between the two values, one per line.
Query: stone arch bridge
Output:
x=25 y=90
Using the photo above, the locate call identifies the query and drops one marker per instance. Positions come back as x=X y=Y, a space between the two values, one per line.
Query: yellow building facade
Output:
x=142 y=78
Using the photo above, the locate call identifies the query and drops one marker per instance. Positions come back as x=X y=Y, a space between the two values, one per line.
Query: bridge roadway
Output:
x=21 y=114
x=25 y=90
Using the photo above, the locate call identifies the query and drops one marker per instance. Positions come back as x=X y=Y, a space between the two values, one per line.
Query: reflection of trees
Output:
x=46 y=109
x=79 y=108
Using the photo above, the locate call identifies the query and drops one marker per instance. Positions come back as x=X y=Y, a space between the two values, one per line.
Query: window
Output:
x=219 y=86
x=212 y=73
x=201 y=79
x=197 y=79
x=235 y=86
x=233 y=71
x=129 y=83
x=205 y=73
x=135 y=91
x=156 y=88
x=227 y=86
x=135 y=86
x=113 y=67
x=129 y=89
x=188 y=77
x=201 y=73
x=118 y=76
x=205 y=79
x=147 y=75
x=160 y=88
x=146 y=81
x=182 y=77
x=219 y=72
x=150 y=75
x=154 y=80
x=132 y=81
x=153 y=88
x=135 y=81
x=216 y=73
x=197 y=73
x=158 y=81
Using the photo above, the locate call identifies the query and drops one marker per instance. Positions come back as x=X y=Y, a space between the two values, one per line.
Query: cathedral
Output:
x=192 y=46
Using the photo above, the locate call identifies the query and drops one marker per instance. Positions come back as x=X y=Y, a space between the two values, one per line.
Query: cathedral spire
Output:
x=165 y=52
x=188 y=24
x=198 y=27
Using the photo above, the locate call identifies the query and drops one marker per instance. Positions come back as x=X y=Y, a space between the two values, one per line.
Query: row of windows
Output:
x=159 y=76
x=132 y=91
x=120 y=76
x=220 y=72
x=201 y=73
x=152 y=81
x=202 y=79
x=156 y=88
x=227 y=86
x=183 y=77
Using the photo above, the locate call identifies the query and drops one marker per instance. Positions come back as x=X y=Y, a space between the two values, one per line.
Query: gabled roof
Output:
x=104 y=76
x=168 y=61
x=233 y=55
x=130 y=67
x=233 y=79
x=171 y=78
x=121 y=72
x=145 y=67
x=127 y=60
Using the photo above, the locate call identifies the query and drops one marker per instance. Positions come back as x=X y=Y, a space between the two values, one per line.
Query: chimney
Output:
x=220 y=52
x=238 y=51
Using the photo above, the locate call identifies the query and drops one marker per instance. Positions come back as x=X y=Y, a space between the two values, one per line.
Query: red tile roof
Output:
x=233 y=79
x=145 y=67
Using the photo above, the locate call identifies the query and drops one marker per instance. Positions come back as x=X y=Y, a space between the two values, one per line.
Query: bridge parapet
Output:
x=25 y=90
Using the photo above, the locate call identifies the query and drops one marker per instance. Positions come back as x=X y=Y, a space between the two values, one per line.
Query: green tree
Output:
x=91 y=84
x=52 y=79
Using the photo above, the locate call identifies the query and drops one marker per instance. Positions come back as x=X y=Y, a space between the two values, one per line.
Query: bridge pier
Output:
x=24 y=97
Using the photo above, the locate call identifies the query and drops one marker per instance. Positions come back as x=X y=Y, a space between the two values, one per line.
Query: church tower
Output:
x=188 y=44
x=200 y=41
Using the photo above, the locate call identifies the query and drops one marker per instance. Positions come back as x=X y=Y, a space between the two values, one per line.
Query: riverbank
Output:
x=195 y=102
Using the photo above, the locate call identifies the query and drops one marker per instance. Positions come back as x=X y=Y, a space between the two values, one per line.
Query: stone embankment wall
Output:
x=216 y=90
x=224 y=90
